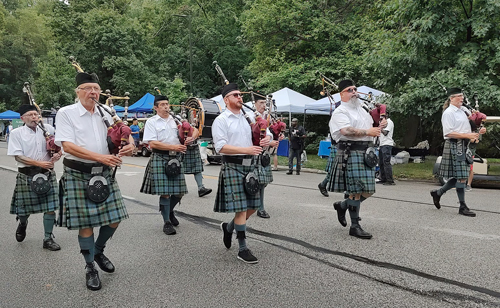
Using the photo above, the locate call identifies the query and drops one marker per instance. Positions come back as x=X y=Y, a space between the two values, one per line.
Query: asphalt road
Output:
x=419 y=256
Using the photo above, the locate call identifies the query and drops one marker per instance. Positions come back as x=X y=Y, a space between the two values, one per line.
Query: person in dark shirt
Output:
x=296 y=135
x=135 y=134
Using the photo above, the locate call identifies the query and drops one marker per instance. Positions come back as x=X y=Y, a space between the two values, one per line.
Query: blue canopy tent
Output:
x=119 y=108
x=9 y=115
x=145 y=104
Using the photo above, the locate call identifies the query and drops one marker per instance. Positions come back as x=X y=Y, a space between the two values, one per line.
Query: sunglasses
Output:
x=237 y=95
x=351 y=90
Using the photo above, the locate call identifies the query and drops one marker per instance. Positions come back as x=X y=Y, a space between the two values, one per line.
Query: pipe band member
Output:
x=351 y=127
x=162 y=135
x=83 y=135
x=454 y=163
x=28 y=146
x=232 y=137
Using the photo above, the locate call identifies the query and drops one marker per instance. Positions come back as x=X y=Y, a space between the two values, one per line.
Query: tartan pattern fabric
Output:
x=265 y=174
x=472 y=148
x=25 y=202
x=231 y=196
x=331 y=159
x=192 y=162
x=156 y=182
x=359 y=178
x=450 y=167
x=78 y=212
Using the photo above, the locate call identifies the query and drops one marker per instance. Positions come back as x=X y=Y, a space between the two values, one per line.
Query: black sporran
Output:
x=370 y=158
x=251 y=183
x=40 y=184
x=98 y=189
x=265 y=160
x=173 y=168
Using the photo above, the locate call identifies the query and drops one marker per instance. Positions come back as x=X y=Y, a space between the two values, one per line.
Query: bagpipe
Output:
x=52 y=148
x=118 y=132
x=260 y=124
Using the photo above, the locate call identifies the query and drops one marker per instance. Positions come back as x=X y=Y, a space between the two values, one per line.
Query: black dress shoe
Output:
x=92 y=277
x=380 y=182
x=168 y=228
x=389 y=183
x=340 y=213
x=263 y=214
x=51 y=245
x=323 y=190
x=204 y=191
x=227 y=238
x=359 y=233
x=104 y=263
x=436 y=198
x=173 y=219
x=298 y=172
x=289 y=172
x=21 y=231
x=464 y=210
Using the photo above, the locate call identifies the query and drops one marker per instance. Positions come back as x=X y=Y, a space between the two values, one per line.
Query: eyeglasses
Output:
x=351 y=90
x=33 y=114
x=237 y=95
x=90 y=89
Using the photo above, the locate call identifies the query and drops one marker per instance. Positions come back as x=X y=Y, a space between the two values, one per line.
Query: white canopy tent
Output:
x=323 y=105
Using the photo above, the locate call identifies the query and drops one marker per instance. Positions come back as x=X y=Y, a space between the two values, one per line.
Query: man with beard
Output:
x=352 y=128
x=28 y=146
x=296 y=135
x=232 y=137
x=164 y=173
x=454 y=163
x=83 y=136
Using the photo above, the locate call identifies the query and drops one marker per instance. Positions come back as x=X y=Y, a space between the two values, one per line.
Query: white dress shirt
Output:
x=350 y=115
x=26 y=142
x=387 y=139
x=455 y=120
x=233 y=129
x=77 y=125
x=162 y=130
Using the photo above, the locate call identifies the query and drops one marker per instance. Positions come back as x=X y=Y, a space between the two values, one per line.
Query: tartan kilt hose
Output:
x=450 y=166
x=78 y=212
x=359 y=178
x=192 y=162
x=231 y=196
x=25 y=202
x=331 y=159
x=265 y=174
x=156 y=182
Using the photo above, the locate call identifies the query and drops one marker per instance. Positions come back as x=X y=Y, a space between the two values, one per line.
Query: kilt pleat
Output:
x=231 y=195
x=359 y=178
x=331 y=159
x=25 y=202
x=156 y=182
x=265 y=174
x=192 y=162
x=79 y=212
x=450 y=166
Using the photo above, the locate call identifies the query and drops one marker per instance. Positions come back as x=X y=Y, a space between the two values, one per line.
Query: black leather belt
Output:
x=83 y=167
x=31 y=171
x=239 y=160
x=174 y=153
x=354 y=145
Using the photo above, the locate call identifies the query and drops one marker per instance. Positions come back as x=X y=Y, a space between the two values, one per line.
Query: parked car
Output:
x=144 y=149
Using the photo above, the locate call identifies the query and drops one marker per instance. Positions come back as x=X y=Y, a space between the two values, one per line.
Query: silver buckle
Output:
x=96 y=170
x=172 y=153
x=247 y=162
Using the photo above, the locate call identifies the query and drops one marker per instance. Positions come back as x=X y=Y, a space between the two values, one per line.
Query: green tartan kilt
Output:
x=78 y=212
x=331 y=159
x=25 y=202
x=359 y=179
x=156 y=182
x=192 y=162
x=450 y=166
x=265 y=174
x=231 y=195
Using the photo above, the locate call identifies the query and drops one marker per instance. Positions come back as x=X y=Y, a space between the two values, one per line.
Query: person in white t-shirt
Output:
x=384 y=153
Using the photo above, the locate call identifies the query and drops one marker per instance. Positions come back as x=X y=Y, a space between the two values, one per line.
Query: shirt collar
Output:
x=455 y=108
x=230 y=113
x=81 y=109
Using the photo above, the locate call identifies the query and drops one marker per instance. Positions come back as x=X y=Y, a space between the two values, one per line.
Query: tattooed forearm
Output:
x=353 y=132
